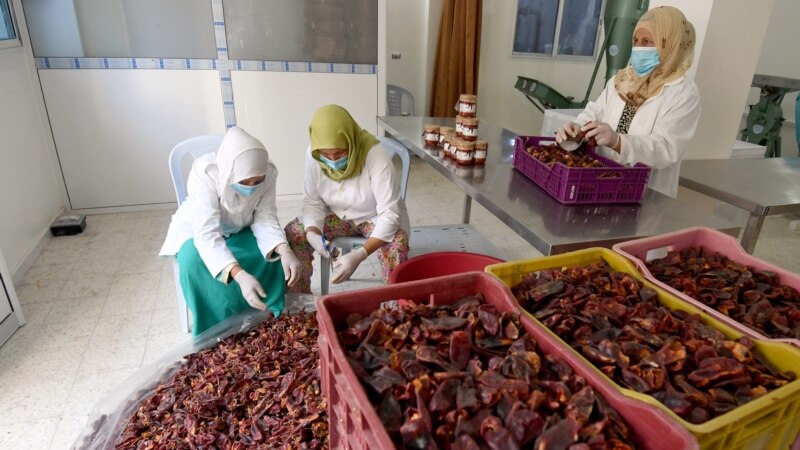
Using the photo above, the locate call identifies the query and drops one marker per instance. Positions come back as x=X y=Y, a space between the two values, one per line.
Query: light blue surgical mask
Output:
x=644 y=60
x=339 y=164
x=243 y=189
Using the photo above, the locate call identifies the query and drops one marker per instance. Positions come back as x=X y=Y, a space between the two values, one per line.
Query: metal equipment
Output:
x=765 y=118
x=619 y=20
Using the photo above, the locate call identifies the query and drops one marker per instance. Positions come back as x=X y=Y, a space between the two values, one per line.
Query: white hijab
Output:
x=240 y=156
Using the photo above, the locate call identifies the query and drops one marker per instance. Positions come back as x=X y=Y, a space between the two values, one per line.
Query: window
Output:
x=553 y=28
x=8 y=31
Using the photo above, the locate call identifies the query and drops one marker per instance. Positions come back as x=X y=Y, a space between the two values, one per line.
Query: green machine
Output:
x=619 y=19
x=765 y=119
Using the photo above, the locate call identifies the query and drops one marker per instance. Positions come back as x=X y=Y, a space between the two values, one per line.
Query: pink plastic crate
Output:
x=582 y=185
x=640 y=251
x=353 y=422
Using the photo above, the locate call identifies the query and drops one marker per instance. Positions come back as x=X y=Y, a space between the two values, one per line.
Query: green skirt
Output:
x=211 y=301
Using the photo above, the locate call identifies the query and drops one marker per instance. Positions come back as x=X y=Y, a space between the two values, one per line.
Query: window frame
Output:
x=554 y=55
x=16 y=41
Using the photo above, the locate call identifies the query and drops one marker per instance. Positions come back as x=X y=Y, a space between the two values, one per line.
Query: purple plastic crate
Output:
x=582 y=185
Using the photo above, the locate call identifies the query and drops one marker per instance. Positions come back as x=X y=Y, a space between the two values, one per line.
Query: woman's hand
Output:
x=290 y=263
x=251 y=290
x=318 y=242
x=345 y=265
x=570 y=130
x=603 y=134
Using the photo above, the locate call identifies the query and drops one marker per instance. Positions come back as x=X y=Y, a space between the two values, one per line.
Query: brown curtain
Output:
x=457 y=55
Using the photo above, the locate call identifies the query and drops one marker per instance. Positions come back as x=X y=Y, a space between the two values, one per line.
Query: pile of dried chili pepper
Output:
x=466 y=376
x=551 y=154
x=620 y=326
x=258 y=389
x=754 y=298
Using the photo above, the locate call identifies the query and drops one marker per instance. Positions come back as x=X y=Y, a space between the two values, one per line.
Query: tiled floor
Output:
x=101 y=305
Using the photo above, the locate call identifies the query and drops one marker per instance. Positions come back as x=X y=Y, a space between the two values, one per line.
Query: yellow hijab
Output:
x=675 y=38
x=333 y=127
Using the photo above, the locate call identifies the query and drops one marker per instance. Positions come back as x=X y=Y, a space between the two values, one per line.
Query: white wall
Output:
x=114 y=129
x=730 y=51
x=100 y=22
x=779 y=53
x=28 y=181
x=406 y=31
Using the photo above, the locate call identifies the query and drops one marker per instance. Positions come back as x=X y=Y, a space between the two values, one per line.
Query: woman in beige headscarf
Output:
x=649 y=110
x=227 y=230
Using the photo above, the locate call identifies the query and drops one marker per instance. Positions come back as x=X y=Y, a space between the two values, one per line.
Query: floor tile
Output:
x=135 y=282
x=78 y=287
x=74 y=310
x=159 y=344
x=105 y=353
x=29 y=435
x=132 y=325
x=47 y=274
x=39 y=292
x=129 y=303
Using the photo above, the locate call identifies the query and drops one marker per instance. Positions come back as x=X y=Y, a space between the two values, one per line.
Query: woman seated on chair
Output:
x=227 y=230
x=350 y=189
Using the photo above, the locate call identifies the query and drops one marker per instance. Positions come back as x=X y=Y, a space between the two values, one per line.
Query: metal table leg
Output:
x=467 y=209
x=751 y=231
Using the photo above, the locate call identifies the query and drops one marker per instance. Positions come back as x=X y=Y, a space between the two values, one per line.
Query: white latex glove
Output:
x=290 y=263
x=251 y=290
x=570 y=130
x=602 y=133
x=345 y=265
x=316 y=241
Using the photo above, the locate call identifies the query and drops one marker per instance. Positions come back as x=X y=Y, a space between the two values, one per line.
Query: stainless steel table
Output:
x=528 y=210
x=760 y=186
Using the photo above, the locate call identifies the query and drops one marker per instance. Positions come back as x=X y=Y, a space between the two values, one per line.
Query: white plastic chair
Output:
x=194 y=147
x=394 y=101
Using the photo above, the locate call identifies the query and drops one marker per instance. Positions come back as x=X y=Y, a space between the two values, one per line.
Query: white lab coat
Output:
x=659 y=131
x=203 y=217
x=373 y=195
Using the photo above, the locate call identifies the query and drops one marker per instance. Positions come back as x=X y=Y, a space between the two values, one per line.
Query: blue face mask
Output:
x=339 y=164
x=245 y=190
x=644 y=60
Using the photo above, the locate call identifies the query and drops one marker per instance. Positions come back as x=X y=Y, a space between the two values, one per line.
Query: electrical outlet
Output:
x=397 y=55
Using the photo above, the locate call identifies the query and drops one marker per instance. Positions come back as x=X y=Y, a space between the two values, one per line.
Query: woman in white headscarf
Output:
x=649 y=111
x=227 y=230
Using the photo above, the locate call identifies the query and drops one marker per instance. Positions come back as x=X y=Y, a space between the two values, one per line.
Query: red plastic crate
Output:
x=640 y=251
x=353 y=422
x=582 y=185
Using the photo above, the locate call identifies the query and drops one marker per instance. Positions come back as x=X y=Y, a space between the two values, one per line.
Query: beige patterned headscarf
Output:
x=675 y=38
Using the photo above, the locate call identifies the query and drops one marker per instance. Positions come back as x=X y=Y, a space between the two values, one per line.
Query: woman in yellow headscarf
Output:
x=649 y=110
x=351 y=188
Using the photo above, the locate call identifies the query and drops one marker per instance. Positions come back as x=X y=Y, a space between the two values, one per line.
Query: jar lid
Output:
x=459 y=119
x=480 y=143
x=447 y=130
x=431 y=127
x=468 y=98
x=471 y=121
x=466 y=146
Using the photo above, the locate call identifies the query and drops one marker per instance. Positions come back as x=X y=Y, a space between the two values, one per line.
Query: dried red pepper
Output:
x=754 y=298
x=620 y=327
x=467 y=376
x=258 y=389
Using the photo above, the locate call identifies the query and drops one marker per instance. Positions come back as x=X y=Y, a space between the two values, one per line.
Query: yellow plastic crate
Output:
x=771 y=421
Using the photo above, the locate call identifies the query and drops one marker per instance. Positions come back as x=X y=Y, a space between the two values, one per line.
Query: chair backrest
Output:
x=194 y=147
x=394 y=101
x=395 y=148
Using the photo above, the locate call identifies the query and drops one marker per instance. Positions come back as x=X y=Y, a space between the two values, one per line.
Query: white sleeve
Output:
x=204 y=208
x=266 y=228
x=314 y=208
x=673 y=129
x=386 y=189
x=594 y=110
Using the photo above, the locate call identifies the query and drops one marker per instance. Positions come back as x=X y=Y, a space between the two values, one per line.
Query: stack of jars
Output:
x=468 y=149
